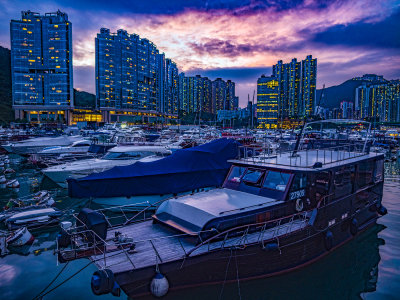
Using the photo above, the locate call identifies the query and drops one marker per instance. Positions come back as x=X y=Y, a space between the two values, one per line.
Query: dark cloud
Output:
x=236 y=7
x=384 y=34
x=231 y=49
x=243 y=75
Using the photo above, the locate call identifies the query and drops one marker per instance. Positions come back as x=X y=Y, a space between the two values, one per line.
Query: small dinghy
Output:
x=34 y=218
x=14 y=183
x=20 y=237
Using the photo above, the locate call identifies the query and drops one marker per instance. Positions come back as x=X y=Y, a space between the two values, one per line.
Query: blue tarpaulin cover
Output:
x=184 y=170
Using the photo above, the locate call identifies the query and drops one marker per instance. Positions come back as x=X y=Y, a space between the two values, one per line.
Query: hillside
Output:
x=84 y=99
x=6 y=114
x=343 y=92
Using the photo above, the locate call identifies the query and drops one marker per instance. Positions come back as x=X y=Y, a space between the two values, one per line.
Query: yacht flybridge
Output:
x=274 y=213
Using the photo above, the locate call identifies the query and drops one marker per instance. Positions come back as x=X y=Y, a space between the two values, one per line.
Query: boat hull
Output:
x=216 y=267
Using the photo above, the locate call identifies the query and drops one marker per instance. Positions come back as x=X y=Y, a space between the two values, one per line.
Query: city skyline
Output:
x=238 y=41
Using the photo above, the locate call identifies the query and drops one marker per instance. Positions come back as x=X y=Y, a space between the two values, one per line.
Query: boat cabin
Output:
x=259 y=189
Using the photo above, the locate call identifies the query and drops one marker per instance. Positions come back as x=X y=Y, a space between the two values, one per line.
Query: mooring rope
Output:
x=51 y=282
x=57 y=286
x=226 y=275
x=237 y=276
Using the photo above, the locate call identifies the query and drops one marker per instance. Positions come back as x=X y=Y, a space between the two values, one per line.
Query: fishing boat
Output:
x=274 y=214
x=117 y=156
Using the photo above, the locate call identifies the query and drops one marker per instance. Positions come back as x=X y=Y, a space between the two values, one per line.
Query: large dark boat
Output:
x=273 y=214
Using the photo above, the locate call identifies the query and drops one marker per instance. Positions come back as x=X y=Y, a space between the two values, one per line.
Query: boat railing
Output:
x=306 y=158
x=255 y=232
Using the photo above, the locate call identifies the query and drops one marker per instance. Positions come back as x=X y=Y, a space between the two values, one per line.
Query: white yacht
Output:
x=117 y=156
x=35 y=145
x=77 y=147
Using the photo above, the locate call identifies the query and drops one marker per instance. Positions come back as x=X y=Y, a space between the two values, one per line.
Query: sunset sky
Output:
x=237 y=40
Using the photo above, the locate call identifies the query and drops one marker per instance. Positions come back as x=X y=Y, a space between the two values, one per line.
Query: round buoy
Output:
x=102 y=282
x=354 y=226
x=328 y=240
x=159 y=285
x=382 y=210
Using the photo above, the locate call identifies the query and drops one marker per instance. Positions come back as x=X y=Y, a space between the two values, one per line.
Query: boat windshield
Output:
x=127 y=155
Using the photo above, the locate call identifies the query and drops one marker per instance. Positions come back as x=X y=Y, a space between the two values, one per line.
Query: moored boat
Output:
x=273 y=214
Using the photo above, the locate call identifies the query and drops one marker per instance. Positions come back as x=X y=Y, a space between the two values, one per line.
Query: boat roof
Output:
x=191 y=213
x=139 y=148
x=306 y=160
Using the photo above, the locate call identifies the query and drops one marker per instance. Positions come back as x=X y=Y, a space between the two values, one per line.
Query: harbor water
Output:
x=366 y=268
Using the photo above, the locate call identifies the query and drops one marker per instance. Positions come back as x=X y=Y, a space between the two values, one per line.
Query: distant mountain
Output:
x=84 y=99
x=6 y=113
x=343 y=92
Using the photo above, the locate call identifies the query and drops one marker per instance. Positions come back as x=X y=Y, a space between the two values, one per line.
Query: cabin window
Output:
x=299 y=182
x=364 y=174
x=276 y=181
x=343 y=182
x=322 y=185
x=236 y=174
x=378 y=170
x=253 y=176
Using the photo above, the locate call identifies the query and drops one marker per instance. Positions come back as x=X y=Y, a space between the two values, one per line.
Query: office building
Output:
x=41 y=67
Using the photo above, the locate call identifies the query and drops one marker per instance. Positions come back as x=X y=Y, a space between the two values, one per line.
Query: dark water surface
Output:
x=366 y=268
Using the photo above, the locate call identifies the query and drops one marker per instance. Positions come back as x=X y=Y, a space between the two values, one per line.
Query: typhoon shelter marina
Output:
x=273 y=214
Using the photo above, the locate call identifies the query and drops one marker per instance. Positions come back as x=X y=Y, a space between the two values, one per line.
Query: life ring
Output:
x=299 y=205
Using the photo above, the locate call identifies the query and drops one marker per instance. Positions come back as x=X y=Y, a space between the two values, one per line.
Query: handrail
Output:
x=242 y=227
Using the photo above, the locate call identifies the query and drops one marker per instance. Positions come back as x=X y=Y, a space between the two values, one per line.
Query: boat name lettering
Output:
x=297 y=194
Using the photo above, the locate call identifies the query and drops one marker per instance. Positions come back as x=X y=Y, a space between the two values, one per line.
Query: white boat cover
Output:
x=192 y=212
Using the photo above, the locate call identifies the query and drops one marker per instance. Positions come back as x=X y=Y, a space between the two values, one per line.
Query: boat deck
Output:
x=165 y=245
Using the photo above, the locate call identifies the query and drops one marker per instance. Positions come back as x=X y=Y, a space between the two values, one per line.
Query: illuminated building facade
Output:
x=132 y=76
x=195 y=94
x=267 y=101
x=41 y=66
x=219 y=91
x=308 y=85
x=296 y=87
x=378 y=101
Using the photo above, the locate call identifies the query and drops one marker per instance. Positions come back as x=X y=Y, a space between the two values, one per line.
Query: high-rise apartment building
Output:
x=267 y=101
x=41 y=66
x=133 y=78
x=195 y=94
x=296 y=87
x=308 y=85
x=378 y=101
x=219 y=91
